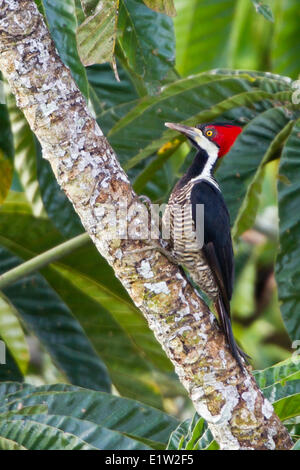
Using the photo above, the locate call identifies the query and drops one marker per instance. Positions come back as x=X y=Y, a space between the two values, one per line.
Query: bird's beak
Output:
x=191 y=132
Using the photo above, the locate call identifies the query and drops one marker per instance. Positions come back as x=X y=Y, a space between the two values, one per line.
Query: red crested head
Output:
x=222 y=134
x=215 y=138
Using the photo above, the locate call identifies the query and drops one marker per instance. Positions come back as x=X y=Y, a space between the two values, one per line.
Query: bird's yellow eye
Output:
x=209 y=133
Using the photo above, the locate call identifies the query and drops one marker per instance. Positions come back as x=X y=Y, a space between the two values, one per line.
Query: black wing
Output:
x=219 y=253
x=217 y=238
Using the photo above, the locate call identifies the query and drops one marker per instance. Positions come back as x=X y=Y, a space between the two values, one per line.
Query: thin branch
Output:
x=87 y=169
x=39 y=261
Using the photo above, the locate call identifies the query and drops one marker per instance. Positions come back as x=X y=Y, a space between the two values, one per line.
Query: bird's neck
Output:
x=202 y=167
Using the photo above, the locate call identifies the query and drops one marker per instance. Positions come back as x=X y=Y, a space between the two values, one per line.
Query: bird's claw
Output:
x=145 y=199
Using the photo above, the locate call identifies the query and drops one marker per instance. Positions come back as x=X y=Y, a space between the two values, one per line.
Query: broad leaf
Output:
x=87 y=285
x=236 y=96
x=13 y=335
x=48 y=317
x=192 y=434
x=6 y=138
x=281 y=385
x=202 y=32
x=6 y=174
x=147 y=42
x=111 y=99
x=36 y=436
x=6 y=151
x=279 y=373
x=25 y=155
x=130 y=371
x=17 y=202
x=8 y=444
x=162 y=6
x=96 y=36
x=285 y=399
x=286 y=40
x=248 y=209
x=102 y=420
x=287 y=265
x=9 y=370
x=88 y=6
x=297 y=445
x=240 y=165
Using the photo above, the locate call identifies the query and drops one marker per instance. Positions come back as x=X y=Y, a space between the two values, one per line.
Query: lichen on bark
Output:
x=87 y=169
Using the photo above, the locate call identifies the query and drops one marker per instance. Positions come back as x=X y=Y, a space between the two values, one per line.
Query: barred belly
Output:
x=185 y=246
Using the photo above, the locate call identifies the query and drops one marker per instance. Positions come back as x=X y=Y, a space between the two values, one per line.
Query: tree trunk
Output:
x=88 y=171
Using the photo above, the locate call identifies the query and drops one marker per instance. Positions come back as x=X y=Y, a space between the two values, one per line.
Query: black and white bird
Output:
x=211 y=265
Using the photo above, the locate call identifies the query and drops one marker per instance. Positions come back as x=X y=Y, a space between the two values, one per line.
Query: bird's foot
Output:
x=163 y=247
x=158 y=245
x=145 y=200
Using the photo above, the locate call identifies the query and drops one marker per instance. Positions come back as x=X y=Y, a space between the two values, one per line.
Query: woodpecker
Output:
x=211 y=265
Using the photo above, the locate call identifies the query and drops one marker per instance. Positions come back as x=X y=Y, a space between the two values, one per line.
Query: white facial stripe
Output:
x=211 y=148
x=212 y=152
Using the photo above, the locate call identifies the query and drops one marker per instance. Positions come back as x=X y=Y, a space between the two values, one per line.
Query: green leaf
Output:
x=144 y=125
x=150 y=171
x=236 y=96
x=87 y=287
x=118 y=333
x=121 y=309
x=296 y=445
x=25 y=155
x=8 y=388
x=281 y=385
x=8 y=444
x=108 y=95
x=17 y=202
x=6 y=138
x=9 y=370
x=287 y=267
x=263 y=9
x=89 y=6
x=62 y=21
x=250 y=39
x=6 y=149
x=279 y=373
x=37 y=436
x=240 y=165
x=104 y=421
x=6 y=174
x=282 y=390
x=192 y=434
x=97 y=437
x=285 y=399
x=248 y=209
x=147 y=42
x=96 y=36
x=13 y=335
x=162 y=6
x=202 y=32
x=48 y=317
x=24 y=411
x=286 y=40
x=178 y=435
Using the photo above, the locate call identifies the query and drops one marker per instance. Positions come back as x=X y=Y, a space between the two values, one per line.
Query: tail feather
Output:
x=224 y=318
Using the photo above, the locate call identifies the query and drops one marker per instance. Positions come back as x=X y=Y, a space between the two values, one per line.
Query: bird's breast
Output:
x=179 y=229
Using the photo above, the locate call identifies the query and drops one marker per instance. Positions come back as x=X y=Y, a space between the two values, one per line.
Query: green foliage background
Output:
x=72 y=322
